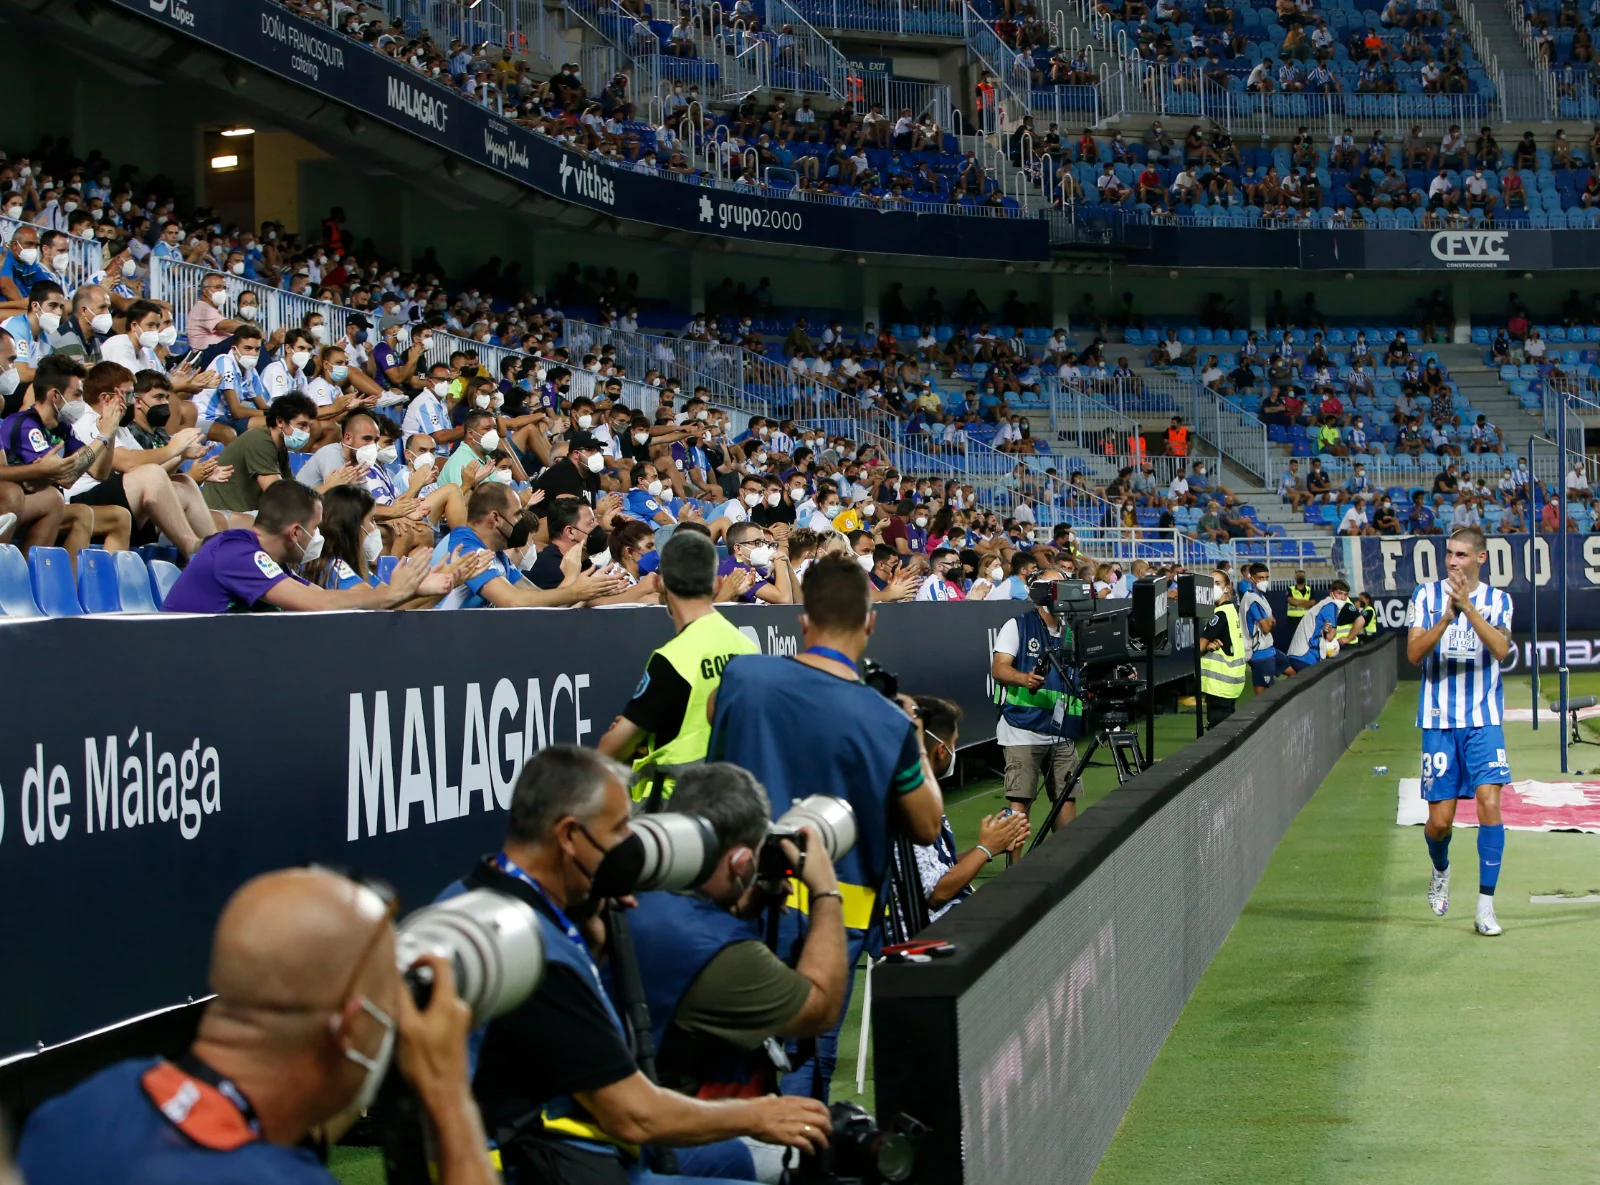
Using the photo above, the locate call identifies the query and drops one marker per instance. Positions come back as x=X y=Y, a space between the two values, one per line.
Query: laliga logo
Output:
x=1469 y=246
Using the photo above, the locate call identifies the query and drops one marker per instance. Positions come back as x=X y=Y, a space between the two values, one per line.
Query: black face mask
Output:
x=598 y=541
x=616 y=875
x=519 y=533
x=158 y=416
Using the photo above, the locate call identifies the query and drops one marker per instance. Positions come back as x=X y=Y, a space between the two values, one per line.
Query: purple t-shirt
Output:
x=27 y=439
x=385 y=359
x=728 y=565
x=229 y=574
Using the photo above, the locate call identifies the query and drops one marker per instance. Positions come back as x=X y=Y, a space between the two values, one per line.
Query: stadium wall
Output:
x=227 y=746
x=1022 y=1051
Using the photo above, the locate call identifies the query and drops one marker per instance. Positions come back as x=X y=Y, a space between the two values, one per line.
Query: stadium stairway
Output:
x=1485 y=390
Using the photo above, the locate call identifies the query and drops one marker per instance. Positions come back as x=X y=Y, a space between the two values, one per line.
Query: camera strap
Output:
x=202 y=1104
x=835 y=655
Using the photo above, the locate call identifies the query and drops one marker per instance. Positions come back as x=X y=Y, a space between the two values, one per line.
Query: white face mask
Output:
x=100 y=323
x=774 y=498
x=29 y=255
x=61 y=261
x=14 y=212
x=584 y=421
x=248 y=361
x=49 y=322
x=371 y=547
x=149 y=341
x=366 y=454
x=319 y=333
x=996 y=574
x=9 y=381
x=482 y=402
x=299 y=358
x=761 y=556
x=388 y=455
x=595 y=463
x=249 y=312
x=752 y=500
x=921 y=520
x=169 y=335
x=313 y=549
x=376 y=1066
x=218 y=296
x=236 y=268
x=868 y=509
x=654 y=488
x=488 y=442
x=442 y=389
x=640 y=437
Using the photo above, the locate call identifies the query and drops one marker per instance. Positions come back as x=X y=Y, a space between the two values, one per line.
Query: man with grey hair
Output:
x=665 y=723
x=717 y=994
x=558 y=1084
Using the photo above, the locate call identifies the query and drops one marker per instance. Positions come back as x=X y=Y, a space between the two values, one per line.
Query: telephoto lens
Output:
x=491 y=940
x=832 y=818
x=680 y=851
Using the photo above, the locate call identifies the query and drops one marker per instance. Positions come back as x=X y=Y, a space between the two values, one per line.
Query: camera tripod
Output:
x=1126 y=756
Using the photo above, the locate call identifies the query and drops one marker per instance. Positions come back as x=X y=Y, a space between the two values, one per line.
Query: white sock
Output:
x=1485 y=903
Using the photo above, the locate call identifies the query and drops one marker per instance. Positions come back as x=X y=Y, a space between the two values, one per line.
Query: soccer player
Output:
x=1460 y=629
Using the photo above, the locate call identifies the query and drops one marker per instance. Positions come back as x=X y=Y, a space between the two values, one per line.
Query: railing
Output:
x=1156 y=545
x=814 y=54
x=1012 y=72
x=1129 y=398
x=888 y=16
x=1238 y=435
x=1524 y=31
x=1528 y=95
x=88 y=257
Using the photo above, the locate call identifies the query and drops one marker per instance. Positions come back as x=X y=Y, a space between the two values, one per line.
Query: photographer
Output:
x=561 y=1093
x=808 y=724
x=292 y=1048
x=1039 y=714
x=1223 y=653
x=947 y=876
x=716 y=993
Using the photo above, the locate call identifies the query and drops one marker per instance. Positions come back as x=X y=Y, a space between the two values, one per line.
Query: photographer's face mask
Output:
x=616 y=875
x=377 y=1065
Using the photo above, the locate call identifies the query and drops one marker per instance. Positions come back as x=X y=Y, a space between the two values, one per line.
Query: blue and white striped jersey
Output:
x=1460 y=679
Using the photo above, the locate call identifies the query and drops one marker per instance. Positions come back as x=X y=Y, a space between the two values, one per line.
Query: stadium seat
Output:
x=162 y=577
x=97 y=581
x=54 y=588
x=386 y=566
x=16 y=587
x=133 y=584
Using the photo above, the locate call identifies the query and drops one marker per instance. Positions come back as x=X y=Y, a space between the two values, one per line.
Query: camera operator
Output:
x=309 y=1007
x=560 y=1090
x=1039 y=714
x=1224 y=656
x=947 y=875
x=807 y=725
x=716 y=993
x=668 y=709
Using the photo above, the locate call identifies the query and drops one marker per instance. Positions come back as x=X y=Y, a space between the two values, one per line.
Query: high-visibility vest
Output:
x=1222 y=675
x=1177 y=442
x=698 y=654
x=1372 y=620
x=1303 y=591
x=1136 y=447
x=985 y=92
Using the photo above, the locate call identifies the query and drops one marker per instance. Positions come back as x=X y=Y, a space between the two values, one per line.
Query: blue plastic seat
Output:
x=54 y=588
x=16 y=587
x=163 y=576
x=386 y=566
x=97 y=582
x=133 y=583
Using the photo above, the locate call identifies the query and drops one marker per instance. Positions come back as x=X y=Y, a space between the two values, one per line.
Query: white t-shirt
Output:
x=1008 y=642
x=120 y=349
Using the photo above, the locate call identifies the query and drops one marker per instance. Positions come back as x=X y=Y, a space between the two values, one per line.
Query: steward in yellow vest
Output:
x=666 y=717
x=1224 y=657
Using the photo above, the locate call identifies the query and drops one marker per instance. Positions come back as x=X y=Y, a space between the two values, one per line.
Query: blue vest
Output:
x=561 y=1117
x=675 y=937
x=1035 y=711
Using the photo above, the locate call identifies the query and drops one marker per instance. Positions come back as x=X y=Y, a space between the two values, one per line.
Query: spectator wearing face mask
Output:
x=571 y=525
x=578 y=474
x=206 y=324
x=632 y=544
x=429 y=412
x=234 y=405
x=358 y=458
x=245 y=570
x=497 y=524
x=829 y=507
x=46 y=306
x=738 y=509
x=259 y=458
x=1266 y=660
x=1224 y=653
x=647 y=500
x=750 y=551
x=944 y=575
x=1303 y=648
x=476 y=458
x=352 y=543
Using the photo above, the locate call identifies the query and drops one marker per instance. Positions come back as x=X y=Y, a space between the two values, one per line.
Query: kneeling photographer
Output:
x=561 y=1091
x=1041 y=711
x=717 y=994
x=309 y=1010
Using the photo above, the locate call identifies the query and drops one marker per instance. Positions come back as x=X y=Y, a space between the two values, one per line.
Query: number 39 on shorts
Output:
x=1434 y=765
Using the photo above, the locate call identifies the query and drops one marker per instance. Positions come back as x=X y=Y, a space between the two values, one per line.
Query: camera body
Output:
x=834 y=821
x=859 y=1152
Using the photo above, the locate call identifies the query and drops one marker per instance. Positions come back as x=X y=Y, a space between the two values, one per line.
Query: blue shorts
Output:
x=1265 y=668
x=1296 y=665
x=1456 y=761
